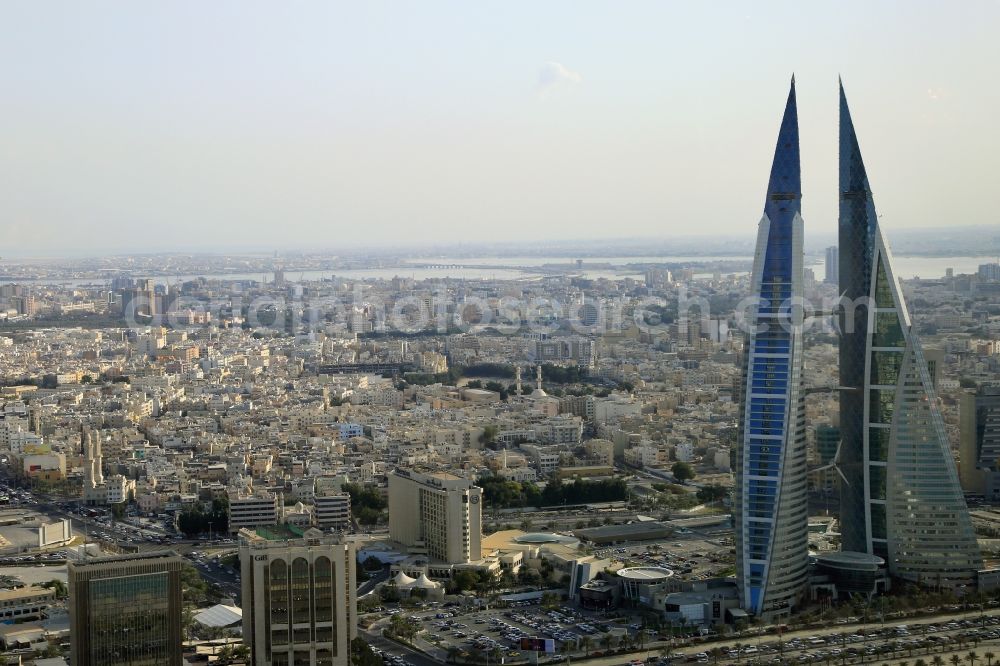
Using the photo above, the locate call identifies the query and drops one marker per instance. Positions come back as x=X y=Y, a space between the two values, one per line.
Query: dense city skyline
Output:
x=411 y=334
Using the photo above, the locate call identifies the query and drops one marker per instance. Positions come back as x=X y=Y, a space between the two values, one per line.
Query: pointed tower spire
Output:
x=853 y=177
x=784 y=188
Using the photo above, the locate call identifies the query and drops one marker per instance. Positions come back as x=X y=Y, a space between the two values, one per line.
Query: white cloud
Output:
x=555 y=75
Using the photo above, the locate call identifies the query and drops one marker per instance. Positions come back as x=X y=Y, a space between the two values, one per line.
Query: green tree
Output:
x=489 y=434
x=712 y=493
x=218 y=517
x=682 y=471
x=193 y=521
x=362 y=655
x=403 y=627
x=462 y=581
x=367 y=503
x=58 y=587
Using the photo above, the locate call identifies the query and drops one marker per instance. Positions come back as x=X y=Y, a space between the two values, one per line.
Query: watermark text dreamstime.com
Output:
x=443 y=313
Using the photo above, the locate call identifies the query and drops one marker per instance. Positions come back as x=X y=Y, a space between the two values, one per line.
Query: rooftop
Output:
x=281 y=532
x=645 y=574
x=848 y=558
x=630 y=532
x=30 y=590
x=545 y=537
x=120 y=559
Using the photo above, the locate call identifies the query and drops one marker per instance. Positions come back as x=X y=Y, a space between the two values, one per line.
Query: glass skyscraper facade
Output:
x=126 y=610
x=771 y=509
x=901 y=498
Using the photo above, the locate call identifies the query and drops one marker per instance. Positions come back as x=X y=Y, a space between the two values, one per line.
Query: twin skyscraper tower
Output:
x=901 y=501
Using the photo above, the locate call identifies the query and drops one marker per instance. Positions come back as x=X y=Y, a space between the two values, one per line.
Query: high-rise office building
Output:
x=832 y=267
x=979 y=441
x=771 y=508
x=126 y=610
x=989 y=272
x=299 y=596
x=901 y=499
x=436 y=513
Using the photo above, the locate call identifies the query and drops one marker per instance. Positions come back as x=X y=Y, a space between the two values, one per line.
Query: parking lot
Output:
x=498 y=631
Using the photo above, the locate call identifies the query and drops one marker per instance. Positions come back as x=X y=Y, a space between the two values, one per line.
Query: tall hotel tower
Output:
x=901 y=499
x=771 y=509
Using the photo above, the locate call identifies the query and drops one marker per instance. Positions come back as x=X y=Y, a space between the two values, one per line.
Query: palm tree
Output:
x=955 y=660
x=58 y=587
x=989 y=658
x=641 y=637
x=670 y=630
x=972 y=657
x=585 y=643
x=241 y=653
x=938 y=660
x=453 y=653
x=920 y=662
x=606 y=641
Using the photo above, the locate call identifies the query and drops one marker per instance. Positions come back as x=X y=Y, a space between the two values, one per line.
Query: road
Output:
x=374 y=637
x=783 y=653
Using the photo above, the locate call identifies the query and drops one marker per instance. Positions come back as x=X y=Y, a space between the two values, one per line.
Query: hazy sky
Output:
x=213 y=125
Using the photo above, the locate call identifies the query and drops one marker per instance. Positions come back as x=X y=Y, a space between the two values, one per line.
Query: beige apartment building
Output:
x=437 y=514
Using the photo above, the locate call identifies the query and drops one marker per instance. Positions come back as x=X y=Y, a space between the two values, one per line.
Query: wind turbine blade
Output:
x=846 y=482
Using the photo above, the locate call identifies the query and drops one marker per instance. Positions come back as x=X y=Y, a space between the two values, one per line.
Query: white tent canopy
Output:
x=425 y=583
x=402 y=580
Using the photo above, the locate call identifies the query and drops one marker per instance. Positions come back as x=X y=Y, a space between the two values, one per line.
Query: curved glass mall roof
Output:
x=539 y=538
